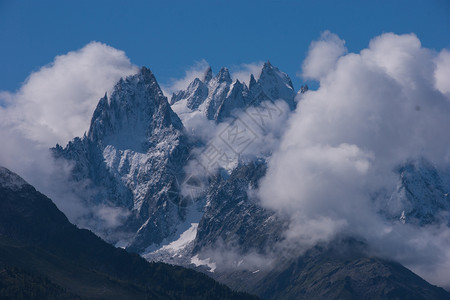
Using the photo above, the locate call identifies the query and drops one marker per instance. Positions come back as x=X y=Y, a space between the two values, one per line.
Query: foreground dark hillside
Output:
x=338 y=271
x=42 y=255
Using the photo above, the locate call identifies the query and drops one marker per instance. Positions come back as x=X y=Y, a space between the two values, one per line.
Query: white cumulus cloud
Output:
x=323 y=55
x=54 y=105
x=442 y=72
x=56 y=102
x=373 y=111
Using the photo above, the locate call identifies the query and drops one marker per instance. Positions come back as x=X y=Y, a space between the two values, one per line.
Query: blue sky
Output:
x=170 y=36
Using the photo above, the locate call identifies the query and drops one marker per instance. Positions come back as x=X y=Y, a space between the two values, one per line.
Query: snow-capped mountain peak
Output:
x=422 y=194
x=136 y=108
x=194 y=95
x=219 y=97
x=132 y=156
x=276 y=84
x=223 y=76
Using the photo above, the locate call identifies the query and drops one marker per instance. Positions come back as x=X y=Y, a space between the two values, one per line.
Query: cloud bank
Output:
x=323 y=55
x=56 y=102
x=373 y=111
x=54 y=105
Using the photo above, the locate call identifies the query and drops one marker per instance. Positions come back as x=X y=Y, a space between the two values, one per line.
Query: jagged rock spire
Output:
x=207 y=75
x=223 y=75
x=133 y=106
x=252 y=82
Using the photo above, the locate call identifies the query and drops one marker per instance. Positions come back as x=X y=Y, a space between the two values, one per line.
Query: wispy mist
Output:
x=54 y=105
